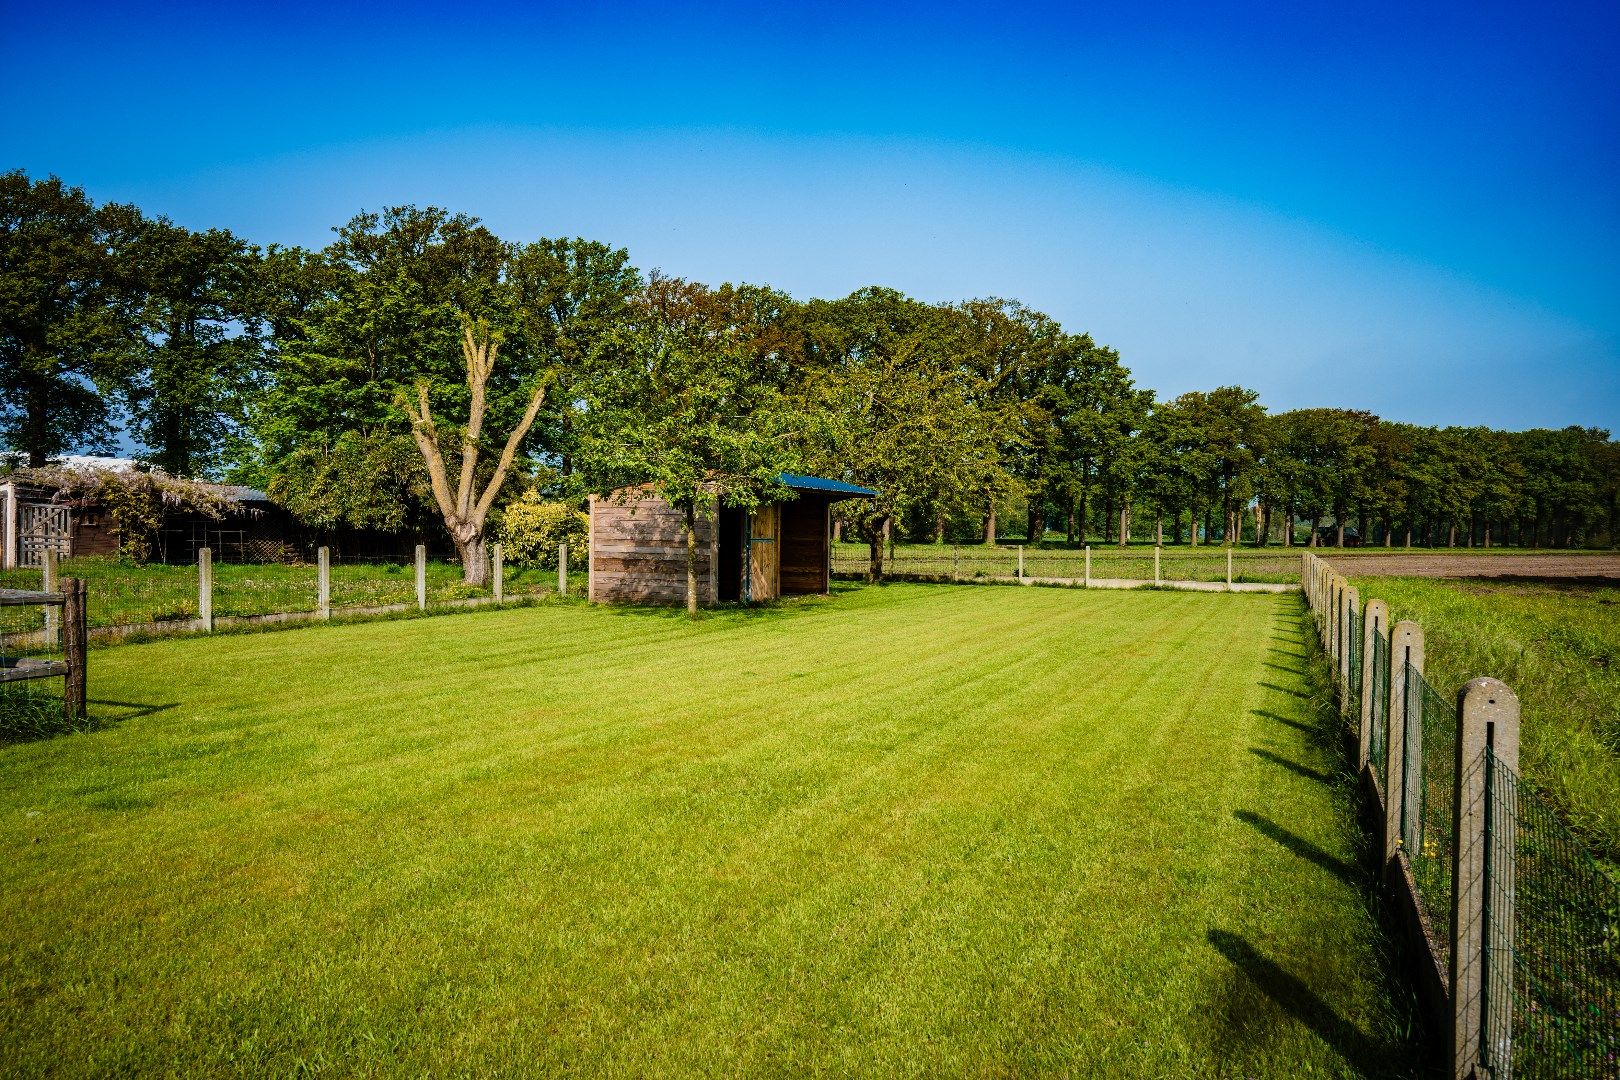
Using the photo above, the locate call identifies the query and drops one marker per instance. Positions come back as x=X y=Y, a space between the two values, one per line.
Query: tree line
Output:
x=420 y=371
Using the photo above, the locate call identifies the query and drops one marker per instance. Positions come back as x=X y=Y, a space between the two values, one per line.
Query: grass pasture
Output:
x=911 y=830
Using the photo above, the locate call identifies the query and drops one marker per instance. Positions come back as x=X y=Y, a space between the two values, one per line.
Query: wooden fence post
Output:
x=1229 y=569
x=1483 y=886
x=562 y=569
x=1088 y=565
x=1401 y=800
x=497 y=573
x=1158 y=579
x=1020 y=562
x=205 y=588
x=75 y=623
x=53 y=614
x=323 y=583
x=955 y=559
x=421 y=577
x=1372 y=628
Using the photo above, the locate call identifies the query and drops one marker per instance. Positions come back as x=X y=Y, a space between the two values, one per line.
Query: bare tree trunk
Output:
x=1316 y=531
x=1451 y=538
x=689 y=527
x=874 y=543
x=1192 y=525
x=474 y=559
x=990 y=525
x=1158 y=529
x=1487 y=533
x=939 y=528
x=838 y=530
x=1071 y=523
x=1125 y=523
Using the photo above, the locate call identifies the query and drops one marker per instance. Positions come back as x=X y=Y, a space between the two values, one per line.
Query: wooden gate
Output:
x=43 y=527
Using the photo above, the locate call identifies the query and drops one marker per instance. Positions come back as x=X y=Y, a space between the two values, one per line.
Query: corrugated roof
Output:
x=833 y=487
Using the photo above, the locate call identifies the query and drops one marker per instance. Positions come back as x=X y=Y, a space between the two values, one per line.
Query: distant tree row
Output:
x=419 y=372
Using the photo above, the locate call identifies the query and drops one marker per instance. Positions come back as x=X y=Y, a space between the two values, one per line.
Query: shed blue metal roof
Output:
x=831 y=487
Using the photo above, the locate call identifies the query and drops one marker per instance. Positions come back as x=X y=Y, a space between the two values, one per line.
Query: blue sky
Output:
x=1412 y=211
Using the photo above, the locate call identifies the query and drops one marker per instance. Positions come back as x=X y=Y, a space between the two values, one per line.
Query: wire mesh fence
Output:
x=125 y=595
x=1428 y=798
x=975 y=562
x=1564 y=937
x=1378 y=729
x=28 y=707
x=1353 y=682
x=1512 y=904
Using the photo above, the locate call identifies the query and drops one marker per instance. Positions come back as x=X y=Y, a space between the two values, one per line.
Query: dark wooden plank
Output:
x=28 y=598
x=16 y=670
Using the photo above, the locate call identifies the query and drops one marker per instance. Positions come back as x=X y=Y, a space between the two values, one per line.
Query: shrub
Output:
x=532 y=528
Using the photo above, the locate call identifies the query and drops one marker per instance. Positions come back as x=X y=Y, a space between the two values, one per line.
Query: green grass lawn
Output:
x=1558 y=647
x=125 y=594
x=914 y=830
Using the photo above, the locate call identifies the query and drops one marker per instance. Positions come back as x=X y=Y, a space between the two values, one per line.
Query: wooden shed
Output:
x=638 y=549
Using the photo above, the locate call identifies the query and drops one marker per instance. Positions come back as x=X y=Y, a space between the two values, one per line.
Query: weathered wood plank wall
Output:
x=638 y=552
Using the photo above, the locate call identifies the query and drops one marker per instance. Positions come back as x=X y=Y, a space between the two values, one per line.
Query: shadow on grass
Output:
x=1298 y=725
x=1296 y=997
x=1292 y=766
x=37 y=717
x=1301 y=847
x=1285 y=690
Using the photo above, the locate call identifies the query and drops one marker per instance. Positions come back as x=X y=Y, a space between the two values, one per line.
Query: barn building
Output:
x=638 y=549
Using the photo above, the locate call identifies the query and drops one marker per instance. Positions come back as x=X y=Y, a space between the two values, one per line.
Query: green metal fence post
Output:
x=1400 y=797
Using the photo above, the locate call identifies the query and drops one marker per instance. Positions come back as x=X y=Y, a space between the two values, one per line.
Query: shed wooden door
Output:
x=764 y=582
x=804 y=546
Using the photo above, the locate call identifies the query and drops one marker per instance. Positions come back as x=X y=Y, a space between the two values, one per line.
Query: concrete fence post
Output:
x=1229 y=569
x=421 y=577
x=497 y=573
x=205 y=588
x=323 y=582
x=1352 y=604
x=562 y=569
x=1373 y=625
x=53 y=614
x=1020 y=562
x=1088 y=565
x=1158 y=579
x=1403 y=753
x=1483 y=879
x=955 y=570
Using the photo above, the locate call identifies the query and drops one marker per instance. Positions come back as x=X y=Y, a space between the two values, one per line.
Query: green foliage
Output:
x=685 y=398
x=531 y=528
x=66 y=327
x=197 y=352
x=357 y=480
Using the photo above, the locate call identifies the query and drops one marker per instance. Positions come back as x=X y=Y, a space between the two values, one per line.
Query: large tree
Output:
x=684 y=399
x=197 y=355
x=66 y=320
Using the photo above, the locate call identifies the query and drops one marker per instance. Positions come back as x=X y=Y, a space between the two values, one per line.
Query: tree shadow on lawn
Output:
x=1295 y=997
x=1292 y=766
x=1297 y=725
x=1302 y=847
